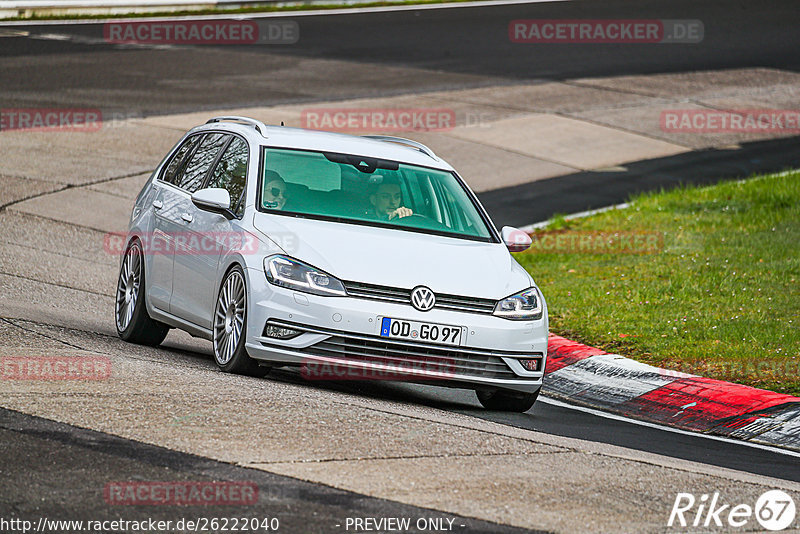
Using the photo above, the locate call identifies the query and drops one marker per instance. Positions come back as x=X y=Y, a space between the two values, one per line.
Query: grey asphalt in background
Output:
x=457 y=48
x=417 y=51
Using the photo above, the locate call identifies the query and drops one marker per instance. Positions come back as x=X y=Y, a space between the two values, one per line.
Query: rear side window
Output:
x=175 y=165
x=231 y=173
x=199 y=164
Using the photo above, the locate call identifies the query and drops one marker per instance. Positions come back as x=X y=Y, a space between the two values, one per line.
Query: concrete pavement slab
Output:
x=185 y=121
x=63 y=164
x=57 y=269
x=530 y=203
x=463 y=113
x=542 y=491
x=479 y=158
x=77 y=158
x=217 y=426
x=549 y=97
x=126 y=188
x=321 y=427
x=698 y=85
x=108 y=213
x=568 y=142
x=315 y=114
x=60 y=238
x=647 y=121
x=14 y=338
x=16 y=188
x=88 y=461
x=785 y=97
x=486 y=167
x=784 y=93
x=126 y=138
x=25 y=298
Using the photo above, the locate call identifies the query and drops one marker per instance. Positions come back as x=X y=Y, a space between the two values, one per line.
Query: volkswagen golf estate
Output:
x=348 y=257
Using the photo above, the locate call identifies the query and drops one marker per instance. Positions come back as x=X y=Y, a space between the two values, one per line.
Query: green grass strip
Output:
x=704 y=280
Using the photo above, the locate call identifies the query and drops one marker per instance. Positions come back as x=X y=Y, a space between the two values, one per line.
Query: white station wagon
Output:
x=352 y=258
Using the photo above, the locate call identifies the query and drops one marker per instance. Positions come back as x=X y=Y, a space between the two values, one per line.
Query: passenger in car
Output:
x=274 y=190
x=386 y=201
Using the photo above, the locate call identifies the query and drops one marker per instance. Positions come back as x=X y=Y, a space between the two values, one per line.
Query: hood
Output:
x=398 y=258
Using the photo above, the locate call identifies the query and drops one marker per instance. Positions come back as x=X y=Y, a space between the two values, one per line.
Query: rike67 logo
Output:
x=774 y=510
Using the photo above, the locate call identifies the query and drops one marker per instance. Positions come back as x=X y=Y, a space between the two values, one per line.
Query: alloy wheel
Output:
x=229 y=317
x=130 y=277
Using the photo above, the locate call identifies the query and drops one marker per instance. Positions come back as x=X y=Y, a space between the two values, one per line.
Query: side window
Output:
x=172 y=170
x=231 y=173
x=197 y=168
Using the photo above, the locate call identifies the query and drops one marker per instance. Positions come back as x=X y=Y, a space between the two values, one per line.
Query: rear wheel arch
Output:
x=131 y=317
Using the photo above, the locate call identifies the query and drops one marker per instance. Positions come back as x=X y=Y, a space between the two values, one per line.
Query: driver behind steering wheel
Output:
x=386 y=201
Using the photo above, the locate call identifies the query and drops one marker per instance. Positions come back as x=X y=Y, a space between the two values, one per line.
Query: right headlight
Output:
x=291 y=273
x=523 y=306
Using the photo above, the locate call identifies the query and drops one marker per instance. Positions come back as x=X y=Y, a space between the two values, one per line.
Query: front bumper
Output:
x=340 y=340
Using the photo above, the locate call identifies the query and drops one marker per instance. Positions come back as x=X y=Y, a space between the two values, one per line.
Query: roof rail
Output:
x=405 y=142
x=258 y=125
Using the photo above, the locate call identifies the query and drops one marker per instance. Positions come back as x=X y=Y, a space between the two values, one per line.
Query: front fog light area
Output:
x=524 y=306
x=533 y=364
x=279 y=332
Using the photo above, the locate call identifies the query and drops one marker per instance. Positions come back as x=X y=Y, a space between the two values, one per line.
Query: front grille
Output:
x=410 y=356
x=403 y=296
x=369 y=291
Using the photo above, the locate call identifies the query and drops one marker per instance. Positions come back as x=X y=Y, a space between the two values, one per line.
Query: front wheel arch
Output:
x=230 y=353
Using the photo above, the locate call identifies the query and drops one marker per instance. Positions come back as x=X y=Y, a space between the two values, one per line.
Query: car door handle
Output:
x=187 y=217
x=157 y=204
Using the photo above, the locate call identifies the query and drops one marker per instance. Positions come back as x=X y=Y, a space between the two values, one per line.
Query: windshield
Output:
x=365 y=190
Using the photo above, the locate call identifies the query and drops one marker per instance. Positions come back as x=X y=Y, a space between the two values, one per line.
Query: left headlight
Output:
x=524 y=306
x=288 y=272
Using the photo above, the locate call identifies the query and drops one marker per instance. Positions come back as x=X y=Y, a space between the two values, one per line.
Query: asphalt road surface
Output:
x=369 y=54
x=454 y=47
x=570 y=422
x=66 y=470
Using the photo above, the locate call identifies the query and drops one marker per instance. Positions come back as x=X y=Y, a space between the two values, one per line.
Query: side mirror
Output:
x=516 y=240
x=213 y=199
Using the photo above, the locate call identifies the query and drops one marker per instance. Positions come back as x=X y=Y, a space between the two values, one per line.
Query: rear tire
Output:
x=133 y=323
x=230 y=327
x=507 y=401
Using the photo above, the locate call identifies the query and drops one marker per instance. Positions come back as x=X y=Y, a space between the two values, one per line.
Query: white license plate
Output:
x=416 y=331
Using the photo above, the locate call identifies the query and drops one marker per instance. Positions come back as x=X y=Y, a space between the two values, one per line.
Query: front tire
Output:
x=507 y=401
x=230 y=326
x=130 y=312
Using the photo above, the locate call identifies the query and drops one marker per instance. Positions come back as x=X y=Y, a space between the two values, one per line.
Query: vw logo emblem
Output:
x=422 y=298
